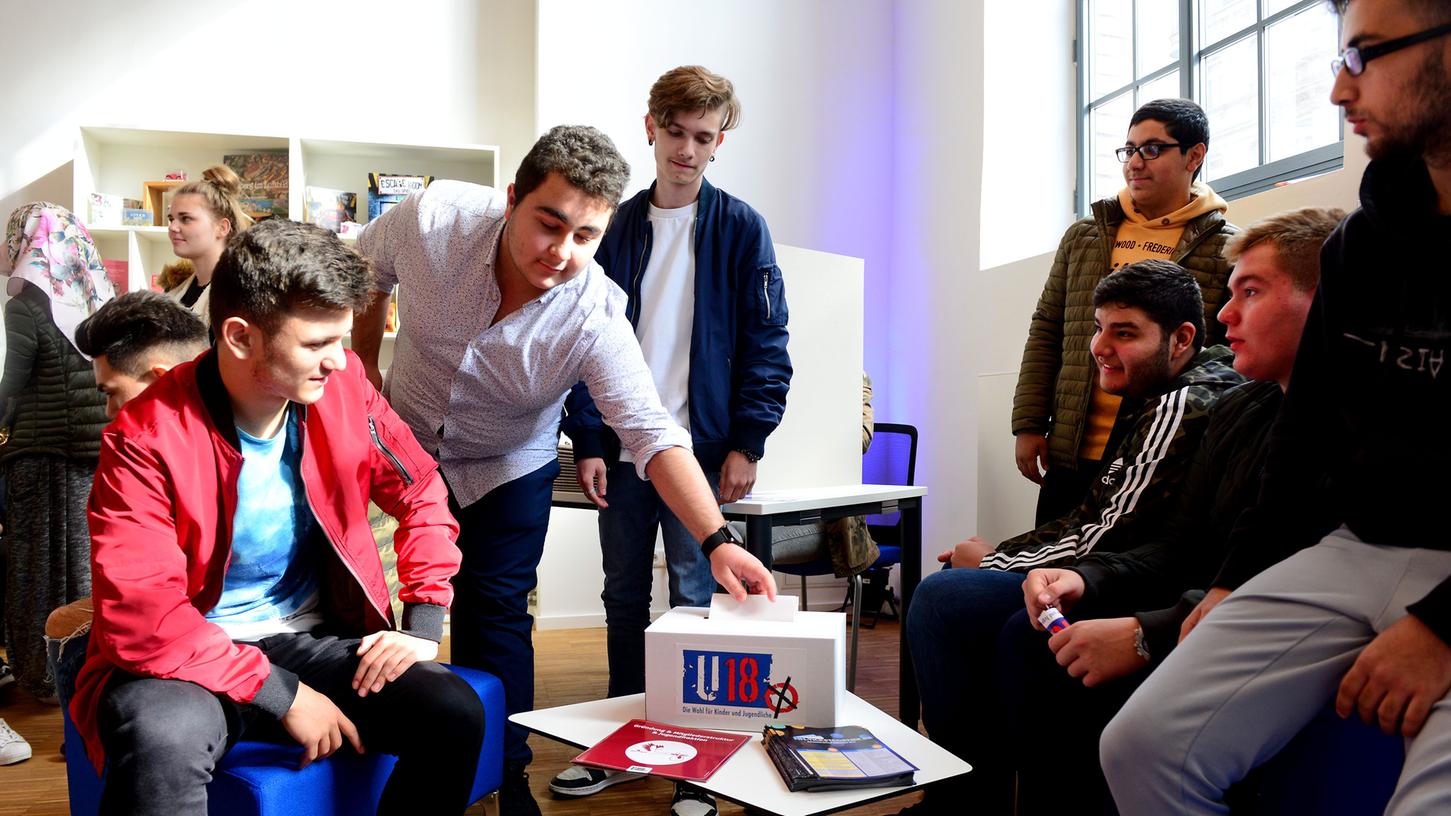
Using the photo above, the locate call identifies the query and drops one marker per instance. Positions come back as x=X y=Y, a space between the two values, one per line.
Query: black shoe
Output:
x=692 y=802
x=515 y=798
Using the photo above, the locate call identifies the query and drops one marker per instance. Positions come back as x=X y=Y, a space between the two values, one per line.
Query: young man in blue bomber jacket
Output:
x=709 y=308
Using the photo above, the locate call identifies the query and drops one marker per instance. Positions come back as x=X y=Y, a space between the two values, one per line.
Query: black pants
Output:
x=163 y=738
x=1064 y=489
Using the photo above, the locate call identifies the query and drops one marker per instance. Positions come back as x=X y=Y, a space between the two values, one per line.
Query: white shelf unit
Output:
x=118 y=161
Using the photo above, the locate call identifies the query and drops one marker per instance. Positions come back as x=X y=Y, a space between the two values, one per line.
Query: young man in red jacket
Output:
x=235 y=577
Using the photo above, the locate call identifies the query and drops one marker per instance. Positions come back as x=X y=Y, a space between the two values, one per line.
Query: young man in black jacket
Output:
x=1119 y=630
x=1361 y=616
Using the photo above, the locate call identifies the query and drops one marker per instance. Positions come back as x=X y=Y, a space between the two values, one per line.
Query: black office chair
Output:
x=891 y=459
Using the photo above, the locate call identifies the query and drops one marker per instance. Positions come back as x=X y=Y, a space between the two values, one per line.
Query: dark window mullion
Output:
x=1186 y=46
x=1264 y=96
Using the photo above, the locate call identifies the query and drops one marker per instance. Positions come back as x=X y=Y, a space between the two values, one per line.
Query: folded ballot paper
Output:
x=739 y=666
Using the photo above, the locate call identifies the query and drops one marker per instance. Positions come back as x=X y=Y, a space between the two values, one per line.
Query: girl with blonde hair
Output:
x=203 y=215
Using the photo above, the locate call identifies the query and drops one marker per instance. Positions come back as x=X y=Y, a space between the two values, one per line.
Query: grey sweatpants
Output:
x=1262 y=665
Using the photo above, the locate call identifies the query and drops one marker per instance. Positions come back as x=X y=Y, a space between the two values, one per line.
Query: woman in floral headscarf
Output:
x=55 y=416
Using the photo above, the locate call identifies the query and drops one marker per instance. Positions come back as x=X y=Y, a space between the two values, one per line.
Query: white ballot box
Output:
x=730 y=667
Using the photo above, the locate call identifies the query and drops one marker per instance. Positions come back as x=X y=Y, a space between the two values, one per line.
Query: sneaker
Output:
x=13 y=747
x=692 y=802
x=577 y=780
x=515 y=798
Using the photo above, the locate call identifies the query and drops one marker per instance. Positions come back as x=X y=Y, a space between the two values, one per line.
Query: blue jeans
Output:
x=952 y=630
x=627 y=541
x=502 y=538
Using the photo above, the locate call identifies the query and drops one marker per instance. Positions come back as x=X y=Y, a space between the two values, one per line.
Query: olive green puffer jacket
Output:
x=1055 y=381
x=54 y=405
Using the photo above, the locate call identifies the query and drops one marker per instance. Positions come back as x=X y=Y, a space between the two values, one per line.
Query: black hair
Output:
x=582 y=156
x=131 y=328
x=282 y=266
x=1164 y=290
x=1184 y=120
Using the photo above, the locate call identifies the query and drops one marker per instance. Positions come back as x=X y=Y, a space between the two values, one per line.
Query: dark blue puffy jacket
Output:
x=739 y=369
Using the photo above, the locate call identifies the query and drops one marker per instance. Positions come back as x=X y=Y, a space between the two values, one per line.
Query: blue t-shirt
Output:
x=271 y=585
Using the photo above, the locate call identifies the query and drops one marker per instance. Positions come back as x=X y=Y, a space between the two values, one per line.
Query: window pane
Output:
x=1165 y=87
x=1158 y=40
x=1231 y=101
x=1111 y=27
x=1221 y=18
x=1296 y=52
x=1108 y=125
x=1273 y=7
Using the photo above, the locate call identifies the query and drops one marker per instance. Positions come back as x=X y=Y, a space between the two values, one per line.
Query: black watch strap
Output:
x=749 y=454
x=725 y=535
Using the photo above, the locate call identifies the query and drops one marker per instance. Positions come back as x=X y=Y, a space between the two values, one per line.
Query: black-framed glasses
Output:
x=1149 y=151
x=1353 y=59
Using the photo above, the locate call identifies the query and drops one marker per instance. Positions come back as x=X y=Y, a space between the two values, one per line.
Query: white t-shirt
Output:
x=667 y=309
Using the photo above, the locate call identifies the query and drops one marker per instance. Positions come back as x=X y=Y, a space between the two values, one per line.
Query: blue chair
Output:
x=262 y=779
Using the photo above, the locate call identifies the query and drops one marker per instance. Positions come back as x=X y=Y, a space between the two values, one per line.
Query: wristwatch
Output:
x=1139 y=646
x=750 y=456
x=725 y=535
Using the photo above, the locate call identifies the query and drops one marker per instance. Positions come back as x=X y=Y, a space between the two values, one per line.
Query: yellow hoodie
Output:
x=1140 y=239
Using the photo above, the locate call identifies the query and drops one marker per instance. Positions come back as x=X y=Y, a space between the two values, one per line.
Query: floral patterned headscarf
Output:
x=49 y=247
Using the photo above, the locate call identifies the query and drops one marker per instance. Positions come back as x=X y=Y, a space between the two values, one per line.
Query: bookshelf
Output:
x=120 y=161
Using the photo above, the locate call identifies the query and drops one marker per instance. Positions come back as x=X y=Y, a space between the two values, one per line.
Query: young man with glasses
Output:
x=1061 y=418
x=1358 y=611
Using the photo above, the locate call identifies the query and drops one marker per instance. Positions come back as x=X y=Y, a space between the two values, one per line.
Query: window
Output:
x=1259 y=68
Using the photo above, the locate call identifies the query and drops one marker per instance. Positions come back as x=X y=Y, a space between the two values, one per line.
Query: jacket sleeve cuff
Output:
x=751 y=438
x=1161 y=626
x=423 y=620
x=588 y=445
x=1434 y=610
x=1094 y=575
x=277 y=692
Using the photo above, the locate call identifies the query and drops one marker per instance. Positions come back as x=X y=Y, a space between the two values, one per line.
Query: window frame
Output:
x=1263 y=176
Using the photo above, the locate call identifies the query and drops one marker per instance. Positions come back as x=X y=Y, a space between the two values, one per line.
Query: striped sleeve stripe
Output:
x=1033 y=557
x=1168 y=415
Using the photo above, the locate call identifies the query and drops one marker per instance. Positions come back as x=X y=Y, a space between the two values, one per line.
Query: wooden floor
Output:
x=570 y=669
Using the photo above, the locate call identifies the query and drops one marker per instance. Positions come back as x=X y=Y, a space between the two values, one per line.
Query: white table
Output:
x=748 y=777
x=763 y=510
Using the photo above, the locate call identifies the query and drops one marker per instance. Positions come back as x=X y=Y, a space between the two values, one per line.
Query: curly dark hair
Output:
x=130 y=330
x=582 y=156
x=1166 y=291
x=282 y=266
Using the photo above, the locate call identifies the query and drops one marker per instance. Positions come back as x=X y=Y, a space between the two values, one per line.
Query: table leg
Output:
x=758 y=538
x=908 y=704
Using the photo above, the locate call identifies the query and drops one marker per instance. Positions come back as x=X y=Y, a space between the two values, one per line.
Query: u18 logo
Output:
x=725 y=679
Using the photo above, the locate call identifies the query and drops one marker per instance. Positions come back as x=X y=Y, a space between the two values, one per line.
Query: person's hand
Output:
x=386 y=655
x=967 y=554
x=1098 y=650
x=590 y=473
x=1031 y=451
x=1058 y=588
x=318 y=726
x=741 y=573
x=1211 y=600
x=374 y=375
x=737 y=477
x=1397 y=678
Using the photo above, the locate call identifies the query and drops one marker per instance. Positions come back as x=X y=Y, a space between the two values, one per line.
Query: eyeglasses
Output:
x=1148 y=151
x=1354 y=59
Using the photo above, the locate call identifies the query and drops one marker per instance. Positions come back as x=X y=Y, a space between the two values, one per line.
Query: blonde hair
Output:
x=1296 y=235
x=218 y=187
x=690 y=88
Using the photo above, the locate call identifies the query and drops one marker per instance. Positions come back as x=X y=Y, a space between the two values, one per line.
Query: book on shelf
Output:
x=264 y=182
x=841 y=758
x=387 y=189
x=329 y=208
x=117 y=272
x=674 y=752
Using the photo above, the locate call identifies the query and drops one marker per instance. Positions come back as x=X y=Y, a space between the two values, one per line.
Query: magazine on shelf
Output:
x=842 y=758
x=264 y=182
x=641 y=746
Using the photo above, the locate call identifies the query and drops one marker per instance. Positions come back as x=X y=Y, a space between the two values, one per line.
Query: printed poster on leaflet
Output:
x=641 y=746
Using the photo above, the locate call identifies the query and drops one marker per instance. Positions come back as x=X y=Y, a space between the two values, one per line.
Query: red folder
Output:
x=641 y=746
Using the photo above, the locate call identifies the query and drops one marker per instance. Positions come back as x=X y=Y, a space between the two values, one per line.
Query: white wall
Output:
x=452 y=71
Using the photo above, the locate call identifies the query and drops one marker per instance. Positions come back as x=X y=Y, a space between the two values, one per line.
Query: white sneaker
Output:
x=13 y=747
x=577 y=780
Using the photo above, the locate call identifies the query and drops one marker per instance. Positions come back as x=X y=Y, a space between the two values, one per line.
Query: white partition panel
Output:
x=817 y=443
